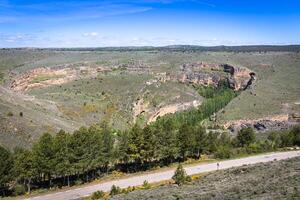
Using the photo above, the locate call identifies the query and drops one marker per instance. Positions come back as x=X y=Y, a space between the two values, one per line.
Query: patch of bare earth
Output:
x=45 y=76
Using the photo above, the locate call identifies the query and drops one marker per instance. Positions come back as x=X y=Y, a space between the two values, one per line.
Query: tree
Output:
x=62 y=155
x=245 y=137
x=180 y=177
x=43 y=156
x=149 y=144
x=295 y=132
x=24 y=167
x=186 y=140
x=6 y=163
x=86 y=149
x=200 y=136
x=135 y=144
x=166 y=140
x=108 y=145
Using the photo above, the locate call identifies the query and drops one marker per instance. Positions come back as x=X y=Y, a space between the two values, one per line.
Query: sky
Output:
x=102 y=23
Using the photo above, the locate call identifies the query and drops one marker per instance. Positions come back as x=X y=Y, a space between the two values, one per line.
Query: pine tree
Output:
x=62 y=157
x=6 y=163
x=44 y=156
x=24 y=167
x=180 y=177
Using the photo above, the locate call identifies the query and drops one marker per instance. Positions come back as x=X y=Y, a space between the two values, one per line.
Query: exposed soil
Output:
x=45 y=76
x=173 y=108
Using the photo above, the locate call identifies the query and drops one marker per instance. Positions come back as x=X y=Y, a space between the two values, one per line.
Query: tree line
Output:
x=65 y=159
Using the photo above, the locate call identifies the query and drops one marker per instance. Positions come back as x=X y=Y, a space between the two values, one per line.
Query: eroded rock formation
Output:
x=45 y=76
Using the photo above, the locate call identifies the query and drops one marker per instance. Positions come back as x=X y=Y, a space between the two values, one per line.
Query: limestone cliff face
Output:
x=202 y=73
x=240 y=78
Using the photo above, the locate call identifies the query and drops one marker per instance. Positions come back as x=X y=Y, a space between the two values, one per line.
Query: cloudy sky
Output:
x=97 y=23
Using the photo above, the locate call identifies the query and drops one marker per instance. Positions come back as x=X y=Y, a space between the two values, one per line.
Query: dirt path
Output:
x=166 y=175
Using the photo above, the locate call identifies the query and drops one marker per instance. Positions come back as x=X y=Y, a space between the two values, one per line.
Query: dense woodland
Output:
x=66 y=159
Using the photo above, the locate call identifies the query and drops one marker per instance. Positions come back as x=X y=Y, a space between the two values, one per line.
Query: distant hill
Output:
x=243 y=48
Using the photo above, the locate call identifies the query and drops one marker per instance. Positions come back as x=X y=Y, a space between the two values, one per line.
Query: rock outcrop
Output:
x=45 y=76
x=202 y=73
x=271 y=123
x=173 y=108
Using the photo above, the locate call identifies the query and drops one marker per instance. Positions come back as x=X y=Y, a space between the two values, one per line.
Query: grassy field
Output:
x=273 y=180
x=111 y=96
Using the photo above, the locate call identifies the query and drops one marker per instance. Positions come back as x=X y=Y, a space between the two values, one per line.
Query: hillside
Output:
x=273 y=180
x=45 y=90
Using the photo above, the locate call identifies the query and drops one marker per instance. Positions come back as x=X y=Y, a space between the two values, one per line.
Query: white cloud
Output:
x=91 y=34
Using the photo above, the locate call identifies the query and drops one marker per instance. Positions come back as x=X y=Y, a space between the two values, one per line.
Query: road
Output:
x=161 y=176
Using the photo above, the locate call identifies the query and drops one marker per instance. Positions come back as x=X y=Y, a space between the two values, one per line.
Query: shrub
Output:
x=253 y=148
x=10 y=114
x=180 y=176
x=19 y=190
x=146 y=185
x=98 y=195
x=245 y=137
x=21 y=114
x=223 y=152
x=115 y=190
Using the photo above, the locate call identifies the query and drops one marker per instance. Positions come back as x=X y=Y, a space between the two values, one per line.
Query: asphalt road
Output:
x=161 y=176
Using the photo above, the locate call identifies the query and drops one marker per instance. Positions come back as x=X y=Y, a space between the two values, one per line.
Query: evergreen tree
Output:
x=62 y=157
x=180 y=177
x=6 y=164
x=186 y=140
x=44 y=156
x=108 y=145
x=24 y=167
x=135 y=144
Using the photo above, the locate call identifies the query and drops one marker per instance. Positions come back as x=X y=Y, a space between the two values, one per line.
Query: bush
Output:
x=245 y=137
x=223 y=152
x=10 y=114
x=21 y=114
x=19 y=190
x=98 y=195
x=115 y=190
x=180 y=177
x=253 y=148
x=146 y=185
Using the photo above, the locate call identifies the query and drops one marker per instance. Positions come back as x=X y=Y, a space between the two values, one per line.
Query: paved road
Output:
x=161 y=176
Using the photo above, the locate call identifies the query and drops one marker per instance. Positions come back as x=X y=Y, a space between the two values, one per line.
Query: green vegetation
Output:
x=180 y=177
x=109 y=97
x=115 y=190
x=59 y=158
x=97 y=195
x=89 y=153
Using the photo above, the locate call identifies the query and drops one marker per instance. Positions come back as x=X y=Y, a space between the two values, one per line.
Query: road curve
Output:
x=161 y=176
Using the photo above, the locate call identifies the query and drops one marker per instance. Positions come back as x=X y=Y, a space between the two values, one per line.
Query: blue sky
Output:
x=92 y=23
